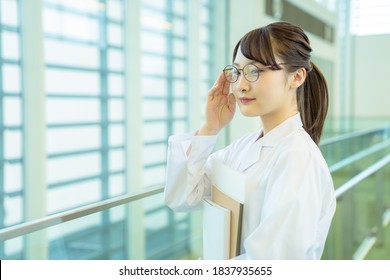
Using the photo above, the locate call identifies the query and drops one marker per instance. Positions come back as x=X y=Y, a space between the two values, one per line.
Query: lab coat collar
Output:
x=252 y=153
x=278 y=133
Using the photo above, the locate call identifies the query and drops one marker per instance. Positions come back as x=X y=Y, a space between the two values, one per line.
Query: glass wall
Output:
x=165 y=92
x=11 y=121
x=85 y=86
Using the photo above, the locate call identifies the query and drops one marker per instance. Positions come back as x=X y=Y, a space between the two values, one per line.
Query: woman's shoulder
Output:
x=299 y=145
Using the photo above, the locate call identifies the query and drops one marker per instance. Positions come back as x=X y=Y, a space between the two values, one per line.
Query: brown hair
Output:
x=290 y=43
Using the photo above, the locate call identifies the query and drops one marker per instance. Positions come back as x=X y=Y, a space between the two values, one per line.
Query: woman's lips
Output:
x=246 y=100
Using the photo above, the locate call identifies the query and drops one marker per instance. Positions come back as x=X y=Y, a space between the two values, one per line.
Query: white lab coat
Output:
x=291 y=195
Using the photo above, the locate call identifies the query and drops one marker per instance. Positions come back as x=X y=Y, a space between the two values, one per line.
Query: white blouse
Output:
x=291 y=195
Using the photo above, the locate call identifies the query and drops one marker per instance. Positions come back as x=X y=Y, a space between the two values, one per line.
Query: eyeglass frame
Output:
x=242 y=69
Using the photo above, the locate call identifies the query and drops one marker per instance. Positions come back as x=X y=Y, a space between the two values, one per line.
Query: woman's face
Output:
x=269 y=94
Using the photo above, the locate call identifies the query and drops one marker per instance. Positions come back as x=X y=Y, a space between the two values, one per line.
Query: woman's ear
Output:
x=298 y=78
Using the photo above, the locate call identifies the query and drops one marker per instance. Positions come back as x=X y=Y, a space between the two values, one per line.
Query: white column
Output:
x=195 y=106
x=134 y=121
x=194 y=69
x=35 y=124
x=221 y=53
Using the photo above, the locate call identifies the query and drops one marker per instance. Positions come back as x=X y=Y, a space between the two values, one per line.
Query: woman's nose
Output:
x=242 y=85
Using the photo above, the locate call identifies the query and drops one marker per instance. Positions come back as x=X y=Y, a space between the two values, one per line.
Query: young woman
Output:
x=291 y=195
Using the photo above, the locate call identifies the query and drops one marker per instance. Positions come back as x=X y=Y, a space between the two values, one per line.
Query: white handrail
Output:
x=52 y=220
x=354 y=134
x=362 y=175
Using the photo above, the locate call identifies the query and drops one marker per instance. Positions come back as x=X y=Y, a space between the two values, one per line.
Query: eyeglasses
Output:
x=251 y=72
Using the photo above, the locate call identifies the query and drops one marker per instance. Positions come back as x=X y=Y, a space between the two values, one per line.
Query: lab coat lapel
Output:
x=250 y=155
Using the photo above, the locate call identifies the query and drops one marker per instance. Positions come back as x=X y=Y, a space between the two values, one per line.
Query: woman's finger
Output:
x=231 y=102
x=219 y=82
x=226 y=87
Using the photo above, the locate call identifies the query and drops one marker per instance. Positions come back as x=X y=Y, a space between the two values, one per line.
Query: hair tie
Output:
x=311 y=66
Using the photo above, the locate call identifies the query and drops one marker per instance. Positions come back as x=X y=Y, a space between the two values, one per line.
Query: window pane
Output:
x=70 y=25
x=179 y=48
x=370 y=17
x=116 y=135
x=9 y=12
x=155 y=153
x=70 y=168
x=12 y=111
x=154 y=109
x=72 y=111
x=71 y=54
x=180 y=108
x=14 y=213
x=14 y=247
x=153 y=42
x=12 y=144
x=76 y=82
x=117 y=185
x=180 y=88
x=115 y=35
x=154 y=65
x=179 y=68
x=117 y=160
x=179 y=27
x=11 y=78
x=155 y=131
x=154 y=176
x=159 y=4
x=73 y=138
x=179 y=127
x=12 y=177
x=179 y=8
x=63 y=198
x=154 y=86
x=116 y=112
x=115 y=60
x=10 y=45
x=156 y=221
x=115 y=9
x=89 y=6
x=155 y=21
x=115 y=84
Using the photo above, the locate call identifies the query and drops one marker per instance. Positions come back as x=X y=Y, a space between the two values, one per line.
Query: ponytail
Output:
x=313 y=102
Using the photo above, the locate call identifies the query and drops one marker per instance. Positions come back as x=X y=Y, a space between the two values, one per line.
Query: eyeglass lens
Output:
x=250 y=71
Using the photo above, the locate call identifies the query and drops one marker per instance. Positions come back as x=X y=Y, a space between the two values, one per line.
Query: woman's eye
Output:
x=254 y=72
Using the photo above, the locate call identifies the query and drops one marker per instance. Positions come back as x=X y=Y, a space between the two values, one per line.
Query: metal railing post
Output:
x=348 y=226
x=379 y=206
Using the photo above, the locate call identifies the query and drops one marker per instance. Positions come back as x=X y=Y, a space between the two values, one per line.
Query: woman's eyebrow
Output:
x=250 y=62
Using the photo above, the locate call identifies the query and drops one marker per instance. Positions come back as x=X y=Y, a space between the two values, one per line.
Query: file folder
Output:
x=228 y=191
x=235 y=210
x=217 y=229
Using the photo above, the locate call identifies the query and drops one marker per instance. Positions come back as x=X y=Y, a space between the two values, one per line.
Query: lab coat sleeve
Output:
x=298 y=190
x=187 y=178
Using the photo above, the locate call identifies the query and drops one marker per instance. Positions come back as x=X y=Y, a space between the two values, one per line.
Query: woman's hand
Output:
x=220 y=107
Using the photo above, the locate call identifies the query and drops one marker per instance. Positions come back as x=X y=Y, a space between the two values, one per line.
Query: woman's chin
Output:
x=249 y=113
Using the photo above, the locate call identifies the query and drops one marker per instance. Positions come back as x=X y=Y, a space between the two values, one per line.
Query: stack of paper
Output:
x=222 y=216
x=217 y=229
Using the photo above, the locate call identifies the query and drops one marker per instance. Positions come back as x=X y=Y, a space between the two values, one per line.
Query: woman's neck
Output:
x=272 y=120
